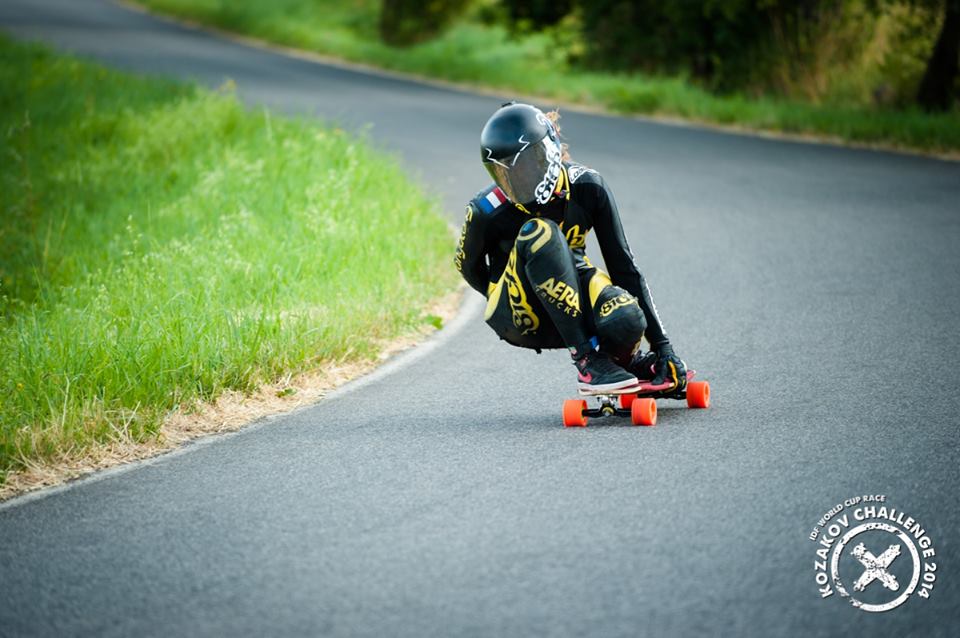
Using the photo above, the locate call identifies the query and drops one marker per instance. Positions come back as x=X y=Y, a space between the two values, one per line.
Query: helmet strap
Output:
x=563 y=183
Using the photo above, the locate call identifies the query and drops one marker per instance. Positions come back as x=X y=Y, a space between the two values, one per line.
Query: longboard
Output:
x=638 y=402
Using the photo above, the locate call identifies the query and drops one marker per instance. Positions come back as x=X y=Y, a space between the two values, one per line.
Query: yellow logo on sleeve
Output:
x=575 y=238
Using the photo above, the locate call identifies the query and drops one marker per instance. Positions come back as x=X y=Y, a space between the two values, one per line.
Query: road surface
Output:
x=816 y=287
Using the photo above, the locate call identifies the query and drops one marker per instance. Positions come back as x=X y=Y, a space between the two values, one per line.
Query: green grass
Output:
x=160 y=244
x=487 y=56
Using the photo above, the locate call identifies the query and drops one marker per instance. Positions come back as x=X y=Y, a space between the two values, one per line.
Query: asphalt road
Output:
x=817 y=288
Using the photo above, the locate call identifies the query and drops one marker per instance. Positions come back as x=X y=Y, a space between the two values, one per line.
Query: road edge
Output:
x=469 y=305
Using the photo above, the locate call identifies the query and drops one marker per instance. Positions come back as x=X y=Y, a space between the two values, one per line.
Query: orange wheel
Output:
x=644 y=412
x=573 y=413
x=626 y=400
x=698 y=394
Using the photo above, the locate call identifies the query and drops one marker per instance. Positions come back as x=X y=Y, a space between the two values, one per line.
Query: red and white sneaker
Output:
x=596 y=374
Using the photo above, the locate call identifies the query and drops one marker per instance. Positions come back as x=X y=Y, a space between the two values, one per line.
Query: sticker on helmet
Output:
x=555 y=165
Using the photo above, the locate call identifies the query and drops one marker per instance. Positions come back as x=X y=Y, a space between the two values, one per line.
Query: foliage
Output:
x=937 y=86
x=534 y=15
x=906 y=33
x=406 y=22
x=752 y=45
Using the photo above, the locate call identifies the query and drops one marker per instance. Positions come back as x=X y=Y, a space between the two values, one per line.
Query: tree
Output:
x=936 y=90
x=725 y=44
x=537 y=14
x=407 y=22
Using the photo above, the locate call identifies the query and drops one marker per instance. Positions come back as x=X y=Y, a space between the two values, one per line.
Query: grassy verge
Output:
x=160 y=244
x=486 y=56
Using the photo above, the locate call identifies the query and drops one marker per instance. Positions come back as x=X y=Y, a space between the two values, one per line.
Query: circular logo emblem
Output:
x=873 y=555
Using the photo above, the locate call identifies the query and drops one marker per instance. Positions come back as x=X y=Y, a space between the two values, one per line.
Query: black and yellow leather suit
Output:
x=542 y=291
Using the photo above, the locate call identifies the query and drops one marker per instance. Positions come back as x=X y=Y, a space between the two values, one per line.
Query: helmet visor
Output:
x=530 y=176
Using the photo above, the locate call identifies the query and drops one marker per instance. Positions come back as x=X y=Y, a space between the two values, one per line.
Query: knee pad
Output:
x=537 y=233
x=620 y=322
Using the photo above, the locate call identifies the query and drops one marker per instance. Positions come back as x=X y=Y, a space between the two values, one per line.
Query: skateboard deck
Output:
x=641 y=388
x=639 y=402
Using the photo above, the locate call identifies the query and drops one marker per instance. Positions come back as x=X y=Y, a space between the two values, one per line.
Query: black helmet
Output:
x=521 y=150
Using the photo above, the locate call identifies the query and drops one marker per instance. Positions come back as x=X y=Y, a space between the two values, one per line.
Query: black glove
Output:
x=669 y=368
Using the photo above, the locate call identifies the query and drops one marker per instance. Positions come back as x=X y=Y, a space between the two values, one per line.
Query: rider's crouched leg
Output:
x=549 y=266
x=620 y=323
x=542 y=239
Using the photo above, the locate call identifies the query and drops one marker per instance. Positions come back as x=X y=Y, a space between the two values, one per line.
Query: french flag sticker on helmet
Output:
x=493 y=200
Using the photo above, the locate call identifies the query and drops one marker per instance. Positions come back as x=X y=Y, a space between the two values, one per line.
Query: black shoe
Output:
x=597 y=374
x=643 y=365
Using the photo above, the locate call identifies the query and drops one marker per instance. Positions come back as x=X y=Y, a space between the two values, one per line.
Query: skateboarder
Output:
x=523 y=247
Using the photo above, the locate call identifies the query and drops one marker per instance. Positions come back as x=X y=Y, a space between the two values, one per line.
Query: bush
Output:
x=407 y=22
x=728 y=45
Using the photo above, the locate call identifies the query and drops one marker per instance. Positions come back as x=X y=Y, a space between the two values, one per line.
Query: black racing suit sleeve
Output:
x=470 y=258
x=619 y=259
